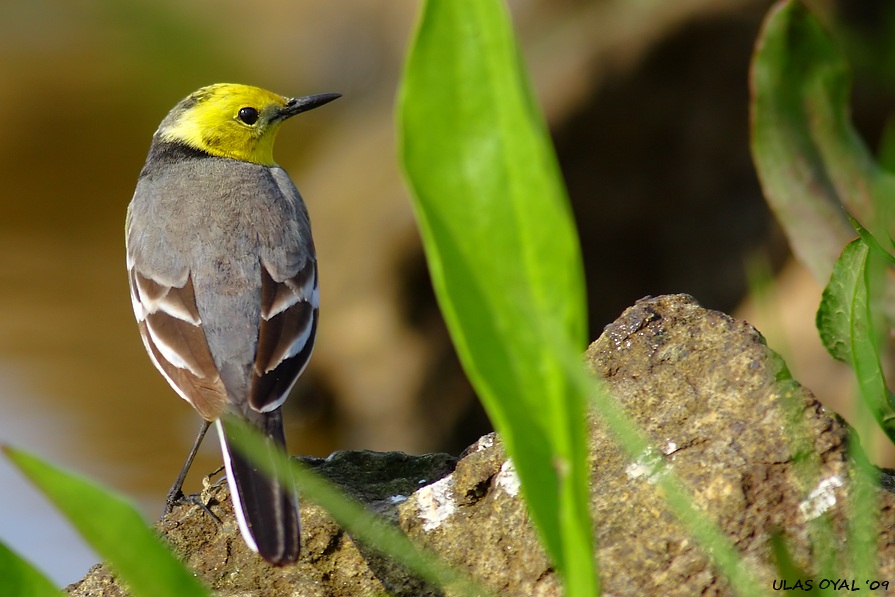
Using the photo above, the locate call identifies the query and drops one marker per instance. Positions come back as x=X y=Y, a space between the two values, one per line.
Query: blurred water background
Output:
x=648 y=104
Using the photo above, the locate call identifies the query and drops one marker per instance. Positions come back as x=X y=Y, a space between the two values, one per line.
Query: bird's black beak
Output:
x=296 y=105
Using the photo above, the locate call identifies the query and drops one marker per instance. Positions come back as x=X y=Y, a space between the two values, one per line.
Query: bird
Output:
x=224 y=284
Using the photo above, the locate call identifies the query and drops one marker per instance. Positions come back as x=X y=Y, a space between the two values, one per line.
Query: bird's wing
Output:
x=164 y=304
x=290 y=299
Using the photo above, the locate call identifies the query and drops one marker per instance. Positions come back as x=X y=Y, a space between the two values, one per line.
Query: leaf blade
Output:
x=503 y=254
x=113 y=527
x=846 y=321
x=811 y=161
x=836 y=305
x=18 y=577
x=790 y=164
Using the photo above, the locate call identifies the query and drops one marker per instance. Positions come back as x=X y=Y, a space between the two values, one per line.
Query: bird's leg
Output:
x=175 y=494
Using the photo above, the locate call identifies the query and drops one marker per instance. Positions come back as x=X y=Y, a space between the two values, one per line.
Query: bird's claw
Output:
x=194 y=499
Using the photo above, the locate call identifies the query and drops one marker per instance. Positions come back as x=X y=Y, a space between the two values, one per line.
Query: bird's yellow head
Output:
x=234 y=121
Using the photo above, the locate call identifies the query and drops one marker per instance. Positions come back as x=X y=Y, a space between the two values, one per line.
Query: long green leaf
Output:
x=19 y=578
x=864 y=513
x=114 y=528
x=787 y=569
x=810 y=160
x=503 y=254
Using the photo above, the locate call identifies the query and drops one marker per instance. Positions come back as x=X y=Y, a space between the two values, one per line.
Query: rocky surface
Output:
x=758 y=453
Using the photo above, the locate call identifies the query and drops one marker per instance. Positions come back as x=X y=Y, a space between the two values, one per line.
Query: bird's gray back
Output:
x=217 y=221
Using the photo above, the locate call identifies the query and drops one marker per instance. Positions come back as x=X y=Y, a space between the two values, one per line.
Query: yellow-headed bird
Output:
x=223 y=278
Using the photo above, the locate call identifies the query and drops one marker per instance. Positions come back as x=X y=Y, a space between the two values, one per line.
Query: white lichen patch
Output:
x=635 y=470
x=821 y=498
x=649 y=464
x=483 y=443
x=507 y=479
x=436 y=503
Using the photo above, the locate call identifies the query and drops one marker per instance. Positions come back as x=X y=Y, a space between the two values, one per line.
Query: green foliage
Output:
x=826 y=188
x=818 y=175
x=809 y=158
x=504 y=256
x=114 y=528
x=790 y=572
x=18 y=577
x=848 y=323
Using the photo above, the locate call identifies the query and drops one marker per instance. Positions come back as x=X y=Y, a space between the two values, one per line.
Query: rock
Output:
x=757 y=452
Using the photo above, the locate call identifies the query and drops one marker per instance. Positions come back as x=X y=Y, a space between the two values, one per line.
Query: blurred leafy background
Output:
x=647 y=102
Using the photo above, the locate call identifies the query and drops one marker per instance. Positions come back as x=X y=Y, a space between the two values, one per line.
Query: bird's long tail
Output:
x=266 y=509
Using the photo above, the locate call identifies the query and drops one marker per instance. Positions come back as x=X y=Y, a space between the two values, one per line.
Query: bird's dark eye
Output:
x=248 y=115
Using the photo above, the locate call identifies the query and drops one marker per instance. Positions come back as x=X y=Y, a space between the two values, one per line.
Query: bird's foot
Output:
x=194 y=499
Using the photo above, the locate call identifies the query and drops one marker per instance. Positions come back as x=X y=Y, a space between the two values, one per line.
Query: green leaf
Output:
x=363 y=526
x=19 y=578
x=864 y=515
x=114 y=528
x=848 y=324
x=810 y=160
x=787 y=569
x=504 y=256
x=841 y=297
x=871 y=240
